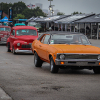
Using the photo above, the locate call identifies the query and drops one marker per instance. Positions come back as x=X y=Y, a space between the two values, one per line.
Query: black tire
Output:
x=8 y=47
x=13 y=51
x=53 y=67
x=37 y=61
x=96 y=70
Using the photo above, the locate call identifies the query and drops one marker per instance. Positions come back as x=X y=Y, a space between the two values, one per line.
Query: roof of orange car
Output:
x=23 y=27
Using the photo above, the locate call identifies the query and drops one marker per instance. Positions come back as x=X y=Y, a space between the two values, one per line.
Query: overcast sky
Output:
x=66 y=6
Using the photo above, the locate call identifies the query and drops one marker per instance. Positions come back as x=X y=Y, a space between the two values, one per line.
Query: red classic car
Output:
x=21 y=39
x=4 y=34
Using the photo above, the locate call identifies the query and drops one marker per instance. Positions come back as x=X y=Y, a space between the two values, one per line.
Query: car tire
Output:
x=96 y=70
x=37 y=61
x=13 y=51
x=8 y=47
x=53 y=67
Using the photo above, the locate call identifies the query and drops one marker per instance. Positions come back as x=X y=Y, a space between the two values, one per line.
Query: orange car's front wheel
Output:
x=53 y=67
x=37 y=61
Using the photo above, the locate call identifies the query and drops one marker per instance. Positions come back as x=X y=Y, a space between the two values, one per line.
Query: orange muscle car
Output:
x=66 y=50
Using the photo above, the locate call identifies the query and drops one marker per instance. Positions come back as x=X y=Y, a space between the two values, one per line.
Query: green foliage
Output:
x=76 y=13
x=20 y=10
x=19 y=16
x=60 y=13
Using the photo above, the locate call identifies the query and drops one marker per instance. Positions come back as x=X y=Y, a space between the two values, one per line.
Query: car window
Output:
x=2 y=29
x=45 y=39
x=13 y=33
x=26 y=32
x=84 y=40
x=7 y=29
x=69 y=39
x=42 y=39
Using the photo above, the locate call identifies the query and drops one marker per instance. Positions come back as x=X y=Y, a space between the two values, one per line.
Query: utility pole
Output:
x=51 y=8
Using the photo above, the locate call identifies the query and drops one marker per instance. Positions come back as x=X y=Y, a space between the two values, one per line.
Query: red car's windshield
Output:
x=26 y=32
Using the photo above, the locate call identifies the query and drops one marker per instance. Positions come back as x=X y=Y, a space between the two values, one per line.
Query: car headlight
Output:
x=62 y=56
x=98 y=56
x=18 y=44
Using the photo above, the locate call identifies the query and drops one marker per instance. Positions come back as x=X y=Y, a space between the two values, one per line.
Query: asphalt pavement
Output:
x=4 y=96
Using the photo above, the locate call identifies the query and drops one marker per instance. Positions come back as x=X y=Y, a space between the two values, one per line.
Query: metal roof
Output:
x=73 y=18
x=91 y=19
x=60 y=32
x=51 y=18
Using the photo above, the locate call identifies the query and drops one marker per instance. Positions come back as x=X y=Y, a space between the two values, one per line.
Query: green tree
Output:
x=38 y=12
x=18 y=8
x=5 y=7
x=28 y=13
x=76 y=13
x=21 y=8
x=19 y=16
x=60 y=13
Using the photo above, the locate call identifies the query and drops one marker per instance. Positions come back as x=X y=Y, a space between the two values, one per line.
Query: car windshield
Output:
x=26 y=32
x=5 y=29
x=69 y=39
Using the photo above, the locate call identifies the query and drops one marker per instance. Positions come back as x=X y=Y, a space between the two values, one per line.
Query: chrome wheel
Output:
x=37 y=61
x=13 y=51
x=53 y=67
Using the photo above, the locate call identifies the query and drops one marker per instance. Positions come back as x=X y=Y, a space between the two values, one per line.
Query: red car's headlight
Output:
x=18 y=44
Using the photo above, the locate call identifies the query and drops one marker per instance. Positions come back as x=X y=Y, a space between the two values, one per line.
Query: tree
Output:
x=18 y=8
x=28 y=13
x=76 y=13
x=19 y=16
x=5 y=7
x=21 y=8
x=60 y=13
x=38 y=12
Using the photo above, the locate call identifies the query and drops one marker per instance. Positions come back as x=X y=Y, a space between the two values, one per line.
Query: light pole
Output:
x=51 y=8
x=52 y=11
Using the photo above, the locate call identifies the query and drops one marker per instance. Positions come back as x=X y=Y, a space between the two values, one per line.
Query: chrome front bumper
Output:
x=78 y=62
x=23 y=51
x=3 y=42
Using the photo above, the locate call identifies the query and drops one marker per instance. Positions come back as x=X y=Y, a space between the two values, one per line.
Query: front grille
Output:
x=26 y=46
x=79 y=56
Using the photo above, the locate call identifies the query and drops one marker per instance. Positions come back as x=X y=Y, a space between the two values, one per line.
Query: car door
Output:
x=43 y=46
x=12 y=38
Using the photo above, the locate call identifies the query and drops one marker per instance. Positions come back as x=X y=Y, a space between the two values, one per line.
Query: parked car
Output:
x=21 y=39
x=4 y=34
x=19 y=24
x=66 y=50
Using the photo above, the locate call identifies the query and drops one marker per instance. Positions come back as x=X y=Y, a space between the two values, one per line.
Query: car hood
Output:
x=27 y=38
x=77 y=48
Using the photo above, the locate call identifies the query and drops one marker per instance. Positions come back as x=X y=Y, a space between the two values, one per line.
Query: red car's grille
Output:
x=26 y=46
